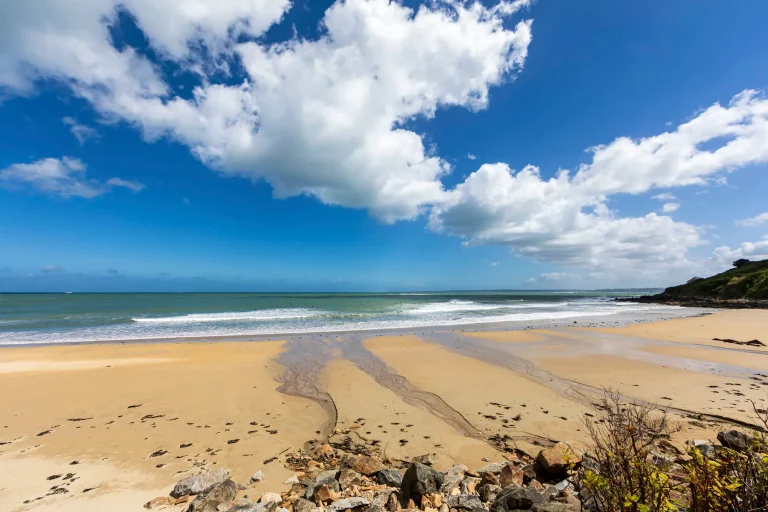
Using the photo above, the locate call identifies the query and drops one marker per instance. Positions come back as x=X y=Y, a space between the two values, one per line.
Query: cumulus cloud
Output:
x=665 y=196
x=567 y=220
x=749 y=250
x=670 y=207
x=321 y=117
x=470 y=156
x=64 y=177
x=754 y=221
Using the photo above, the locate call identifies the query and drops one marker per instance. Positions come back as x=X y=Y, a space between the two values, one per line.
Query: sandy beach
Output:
x=118 y=424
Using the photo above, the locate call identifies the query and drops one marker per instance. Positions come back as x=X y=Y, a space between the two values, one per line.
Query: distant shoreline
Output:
x=697 y=302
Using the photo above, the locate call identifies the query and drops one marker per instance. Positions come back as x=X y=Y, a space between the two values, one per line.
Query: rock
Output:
x=159 y=502
x=510 y=475
x=554 y=506
x=210 y=500
x=348 y=503
x=489 y=492
x=326 y=477
x=516 y=498
x=465 y=502
x=529 y=472
x=257 y=477
x=302 y=505
x=331 y=485
x=427 y=459
x=494 y=468
x=348 y=477
x=368 y=465
x=196 y=484
x=323 y=449
x=561 y=457
x=419 y=480
x=706 y=448
x=734 y=439
x=453 y=478
x=323 y=493
x=254 y=507
x=291 y=480
x=564 y=484
x=390 y=477
x=271 y=497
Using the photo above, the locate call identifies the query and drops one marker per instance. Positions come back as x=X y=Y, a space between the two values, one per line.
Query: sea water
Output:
x=88 y=317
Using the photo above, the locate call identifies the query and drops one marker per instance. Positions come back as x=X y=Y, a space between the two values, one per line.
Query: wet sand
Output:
x=138 y=417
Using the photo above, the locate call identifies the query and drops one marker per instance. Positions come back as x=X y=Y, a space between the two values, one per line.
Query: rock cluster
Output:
x=348 y=475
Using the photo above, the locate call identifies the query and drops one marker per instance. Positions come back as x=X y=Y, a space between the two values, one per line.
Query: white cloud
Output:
x=49 y=269
x=81 y=132
x=665 y=196
x=133 y=186
x=65 y=177
x=670 y=207
x=318 y=117
x=754 y=221
x=495 y=263
x=470 y=156
x=566 y=219
x=749 y=250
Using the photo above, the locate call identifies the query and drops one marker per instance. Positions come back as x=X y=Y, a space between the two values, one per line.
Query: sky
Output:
x=270 y=145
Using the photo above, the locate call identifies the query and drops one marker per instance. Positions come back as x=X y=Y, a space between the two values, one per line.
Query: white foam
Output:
x=455 y=306
x=264 y=315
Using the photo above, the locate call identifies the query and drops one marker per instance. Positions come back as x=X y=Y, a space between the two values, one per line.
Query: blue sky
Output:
x=373 y=148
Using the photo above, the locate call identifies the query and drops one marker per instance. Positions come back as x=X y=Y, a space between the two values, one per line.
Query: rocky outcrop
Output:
x=196 y=484
x=210 y=500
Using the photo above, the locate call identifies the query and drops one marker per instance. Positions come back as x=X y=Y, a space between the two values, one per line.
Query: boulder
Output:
x=390 y=477
x=419 y=480
x=465 y=502
x=332 y=486
x=326 y=477
x=257 y=476
x=202 y=482
x=561 y=457
x=554 y=506
x=210 y=500
x=348 y=503
x=734 y=439
x=250 y=506
x=511 y=475
x=516 y=498
x=368 y=465
x=323 y=493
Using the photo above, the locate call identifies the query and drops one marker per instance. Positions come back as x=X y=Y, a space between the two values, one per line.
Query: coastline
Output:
x=440 y=390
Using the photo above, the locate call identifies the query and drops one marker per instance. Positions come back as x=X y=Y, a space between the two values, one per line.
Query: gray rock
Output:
x=302 y=505
x=325 y=477
x=349 y=477
x=489 y=492
x=563 y=485
x=196 y=484
x=255 y=507
x=734 y=440
x=706 y=448
x=210 y=500
x=465 y=502
x=494 y=467
x=257 y=476
x=453 y=478
x=420 y=480
x=553 y=506
x=332 y=485
x=390 y=477
x=380 y=499
x=516 y=498
x=348 y=503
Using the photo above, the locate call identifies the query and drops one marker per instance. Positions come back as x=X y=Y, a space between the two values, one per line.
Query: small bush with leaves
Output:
x=623 y=442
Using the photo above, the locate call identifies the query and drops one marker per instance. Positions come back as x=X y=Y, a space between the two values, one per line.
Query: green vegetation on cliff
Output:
x=747 y=280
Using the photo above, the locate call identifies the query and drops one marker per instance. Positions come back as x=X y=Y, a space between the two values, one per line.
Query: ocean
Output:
x=89 y=317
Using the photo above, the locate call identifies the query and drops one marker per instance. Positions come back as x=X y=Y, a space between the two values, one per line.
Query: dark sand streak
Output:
x=304 y=361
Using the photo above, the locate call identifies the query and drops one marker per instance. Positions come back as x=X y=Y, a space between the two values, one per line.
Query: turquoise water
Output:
x=84 y=317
